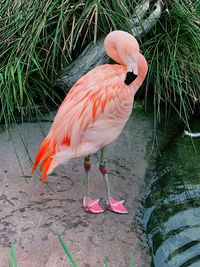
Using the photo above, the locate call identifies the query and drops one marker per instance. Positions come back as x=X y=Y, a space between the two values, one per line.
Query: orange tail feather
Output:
x=45 y=170
x=44 y=157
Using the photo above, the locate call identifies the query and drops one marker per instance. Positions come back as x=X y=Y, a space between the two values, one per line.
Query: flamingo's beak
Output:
x=130 y=77
x=132 y=72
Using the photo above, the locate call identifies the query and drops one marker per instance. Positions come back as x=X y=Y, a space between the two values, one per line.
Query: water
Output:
x=172 y=206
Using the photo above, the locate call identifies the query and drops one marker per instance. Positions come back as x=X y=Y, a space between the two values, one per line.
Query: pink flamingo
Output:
x=94 y=113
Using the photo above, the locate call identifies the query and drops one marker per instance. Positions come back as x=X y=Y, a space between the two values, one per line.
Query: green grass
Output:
x=172 y=49
x=105 y=262
x=13 y=262
x=38 y=39
x=67 y=252
x=12 y=257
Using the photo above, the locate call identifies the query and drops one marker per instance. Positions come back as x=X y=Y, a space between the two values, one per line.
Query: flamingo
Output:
x=93 y=114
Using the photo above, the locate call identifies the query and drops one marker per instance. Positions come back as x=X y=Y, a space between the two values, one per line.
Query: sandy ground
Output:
x=30 y=213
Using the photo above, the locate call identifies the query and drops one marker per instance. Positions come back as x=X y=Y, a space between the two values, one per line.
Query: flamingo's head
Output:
x=124 y=49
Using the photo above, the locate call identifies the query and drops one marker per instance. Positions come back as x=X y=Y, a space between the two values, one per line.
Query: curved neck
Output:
x=123 y=48
x=111 y=50
x=142 y=67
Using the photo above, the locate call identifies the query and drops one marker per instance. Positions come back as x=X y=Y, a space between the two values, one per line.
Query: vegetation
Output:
x=12 y=256
x=39 y=38
x=67 y=252
x=72 y=261
x=13 y=261
x=173 y=52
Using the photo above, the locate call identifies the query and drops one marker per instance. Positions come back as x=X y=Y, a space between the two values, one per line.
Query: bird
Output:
x=93 y=114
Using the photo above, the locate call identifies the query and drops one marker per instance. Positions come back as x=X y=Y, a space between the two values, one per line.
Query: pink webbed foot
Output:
x=91 y=205
x=116 y=206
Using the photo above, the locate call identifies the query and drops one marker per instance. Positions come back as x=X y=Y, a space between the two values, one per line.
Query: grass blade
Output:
x=67 y=252
x=131 y=264
x=105 y=263
x=12 y=257
x=20 y=81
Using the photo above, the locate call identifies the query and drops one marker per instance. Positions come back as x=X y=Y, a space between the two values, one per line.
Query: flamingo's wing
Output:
x=95 y=93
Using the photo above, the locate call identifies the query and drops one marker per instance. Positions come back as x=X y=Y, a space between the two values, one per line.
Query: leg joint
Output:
x=102 y=168
x=87 y=166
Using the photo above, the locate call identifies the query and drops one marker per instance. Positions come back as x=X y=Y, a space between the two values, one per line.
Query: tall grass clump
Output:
x=38 y=38
x=172 y=49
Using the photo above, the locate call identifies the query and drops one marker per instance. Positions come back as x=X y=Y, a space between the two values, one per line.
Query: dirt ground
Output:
x=30 y=214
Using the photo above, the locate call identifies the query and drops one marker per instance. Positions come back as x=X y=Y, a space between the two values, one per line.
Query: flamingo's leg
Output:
x=87 y=167
x=111 y=204
x=90 y=205
x=104 y=171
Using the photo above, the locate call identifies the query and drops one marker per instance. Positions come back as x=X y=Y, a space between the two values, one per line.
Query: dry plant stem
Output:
x=94 y=54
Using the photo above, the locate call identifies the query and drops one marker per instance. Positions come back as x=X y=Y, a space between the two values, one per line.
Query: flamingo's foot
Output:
x=116 y=206
x=91 y=205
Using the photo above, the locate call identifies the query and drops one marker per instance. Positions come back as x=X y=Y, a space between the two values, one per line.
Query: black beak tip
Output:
x=130 y=77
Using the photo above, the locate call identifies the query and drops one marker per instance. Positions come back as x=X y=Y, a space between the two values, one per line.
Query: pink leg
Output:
x=111 y=204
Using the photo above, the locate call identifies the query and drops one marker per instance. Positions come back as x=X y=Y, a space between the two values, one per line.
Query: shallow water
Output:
x=171 y=216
